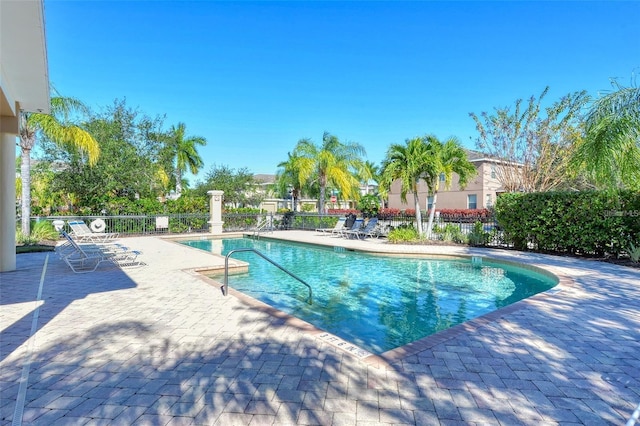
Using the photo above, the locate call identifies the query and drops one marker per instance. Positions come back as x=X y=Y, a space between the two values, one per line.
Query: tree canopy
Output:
x=181 y=153
x=128 y=166
x=425 y=158
x=59 y=128
x=532 y=145
x=408 y=163
x=239 y=186
x=332 y=164
x=610 y=152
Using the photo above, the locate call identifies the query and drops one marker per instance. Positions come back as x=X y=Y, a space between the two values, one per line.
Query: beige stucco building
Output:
x=480 y=192
x=24 y=86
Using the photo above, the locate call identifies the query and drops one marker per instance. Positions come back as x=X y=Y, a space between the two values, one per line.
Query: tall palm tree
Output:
x=288 y=179
x=183 y=153
x=610 y=151
x=57 y=127
x=369 y=172
x=445 y=159
x=408 y=163
x=333 y=163
x=374 y=172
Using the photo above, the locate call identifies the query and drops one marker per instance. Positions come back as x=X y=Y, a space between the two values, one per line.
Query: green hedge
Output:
x=121 y=206
x=587 y=222
x=314 y=222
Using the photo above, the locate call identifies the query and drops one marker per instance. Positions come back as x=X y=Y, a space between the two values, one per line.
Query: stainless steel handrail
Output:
x=225 y=287
x=259 y=227
x=266 y=225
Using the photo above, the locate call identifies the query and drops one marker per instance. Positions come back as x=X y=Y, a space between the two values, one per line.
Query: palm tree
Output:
x=374 y=172
x=288 y=179
x=445 y=159
x=58 y=128
x=610 y=151
x=369 y=172
x=334 y=164
x=184 y=152
x=408 y=163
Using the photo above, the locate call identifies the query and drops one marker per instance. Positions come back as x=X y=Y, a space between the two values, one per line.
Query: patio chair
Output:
x=83 y=233
x=368 y=231
x=357 y=224
x=82 y=258
x=339 y=225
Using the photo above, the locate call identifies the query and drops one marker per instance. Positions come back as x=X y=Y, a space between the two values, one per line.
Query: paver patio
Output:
x=159 y=345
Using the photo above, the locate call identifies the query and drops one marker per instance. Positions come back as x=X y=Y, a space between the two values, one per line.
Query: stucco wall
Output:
x=482 y=185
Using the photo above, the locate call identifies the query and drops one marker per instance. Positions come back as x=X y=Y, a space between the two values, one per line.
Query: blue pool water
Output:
x=376 y=302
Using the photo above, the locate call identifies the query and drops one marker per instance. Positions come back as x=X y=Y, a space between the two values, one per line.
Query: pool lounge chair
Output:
x=83 y=233
x=357 y=224
x=82 y=258
x=368 y=231
x=328 y=231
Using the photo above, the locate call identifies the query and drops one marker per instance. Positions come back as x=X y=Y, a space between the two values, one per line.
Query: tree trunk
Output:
x=432 y=213
x=178 y=182
x=25 y=175
x=295 y=194
x=418 y=212
x=323 y=190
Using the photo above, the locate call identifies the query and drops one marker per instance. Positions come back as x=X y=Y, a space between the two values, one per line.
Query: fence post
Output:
x=215 y=210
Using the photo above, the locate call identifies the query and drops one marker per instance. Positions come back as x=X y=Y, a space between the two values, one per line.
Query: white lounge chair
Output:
x=83 y=233
x=339 y=225
x=82 y=258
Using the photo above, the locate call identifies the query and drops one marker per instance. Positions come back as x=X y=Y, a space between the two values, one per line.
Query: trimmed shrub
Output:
x=403 y=234
x=465 y=215
x=478 y=236
x=450 y=233
x=342 y=212
x=588 y=222
x=388 y=213
x=369 y=205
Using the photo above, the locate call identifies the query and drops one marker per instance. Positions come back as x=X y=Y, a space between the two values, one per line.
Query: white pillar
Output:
x=215 y=210
x=7 y=202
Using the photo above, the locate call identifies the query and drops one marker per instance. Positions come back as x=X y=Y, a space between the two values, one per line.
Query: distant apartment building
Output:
x=480 y=192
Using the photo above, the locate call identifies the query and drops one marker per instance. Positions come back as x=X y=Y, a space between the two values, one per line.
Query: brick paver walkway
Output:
x=159 y=345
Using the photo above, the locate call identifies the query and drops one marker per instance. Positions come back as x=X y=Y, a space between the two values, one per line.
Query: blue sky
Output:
x=255 y=77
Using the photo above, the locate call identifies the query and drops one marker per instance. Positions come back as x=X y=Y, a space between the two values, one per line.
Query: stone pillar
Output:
x=7 y=201
x=215 y=210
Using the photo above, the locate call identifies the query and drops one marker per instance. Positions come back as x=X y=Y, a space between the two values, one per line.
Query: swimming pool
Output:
x=376 y=302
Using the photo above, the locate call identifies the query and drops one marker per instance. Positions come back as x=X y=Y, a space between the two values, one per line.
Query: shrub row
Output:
x=465 y=215
x=342 y=212
x=452 y=215
x=126 y=206
x=587 y=222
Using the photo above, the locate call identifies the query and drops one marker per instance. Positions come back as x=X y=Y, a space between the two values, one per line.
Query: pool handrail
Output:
x=225 y=286
x=266 y=225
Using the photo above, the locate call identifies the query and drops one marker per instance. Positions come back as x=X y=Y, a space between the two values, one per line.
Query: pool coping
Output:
x=385 y=359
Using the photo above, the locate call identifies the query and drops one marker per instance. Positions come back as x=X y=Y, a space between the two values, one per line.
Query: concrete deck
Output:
x=159 y=345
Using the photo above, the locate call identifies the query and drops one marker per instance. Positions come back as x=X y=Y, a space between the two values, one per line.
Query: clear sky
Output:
x=255 y=77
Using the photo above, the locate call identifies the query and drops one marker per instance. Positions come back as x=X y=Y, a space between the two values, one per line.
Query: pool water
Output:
x=376 y=302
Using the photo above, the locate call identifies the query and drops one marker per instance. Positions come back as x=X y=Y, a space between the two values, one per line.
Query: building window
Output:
x=488 y=203
x=442 y=177
x=472 y=201
x=493 y=171
x=429 y=203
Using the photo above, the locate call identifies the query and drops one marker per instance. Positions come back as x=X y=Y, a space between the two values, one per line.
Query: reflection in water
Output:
x=216 y=246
